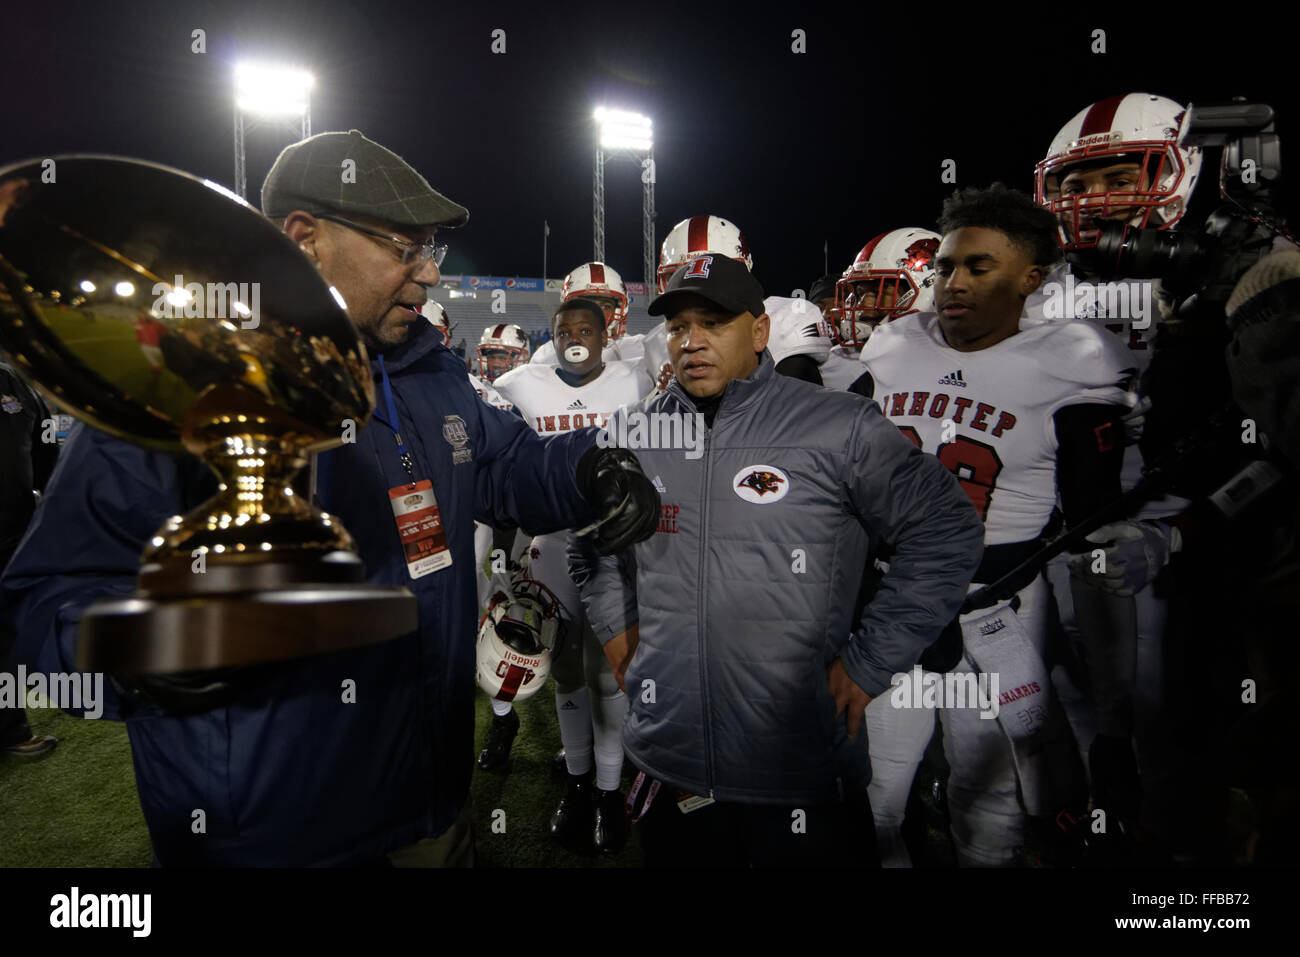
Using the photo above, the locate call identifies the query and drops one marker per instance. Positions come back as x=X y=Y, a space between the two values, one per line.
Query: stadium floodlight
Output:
x=271 y=93
x=621 y=130
x=265 y=90
x=630 y=135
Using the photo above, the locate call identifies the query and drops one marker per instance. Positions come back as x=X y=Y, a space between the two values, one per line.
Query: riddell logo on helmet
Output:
x=1112 y=137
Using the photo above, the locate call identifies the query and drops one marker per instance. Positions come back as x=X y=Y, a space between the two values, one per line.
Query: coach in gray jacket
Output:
x=737 y=629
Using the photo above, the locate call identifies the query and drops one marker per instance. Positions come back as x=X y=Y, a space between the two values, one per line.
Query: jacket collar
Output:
x=739 y=392
x=424 y=338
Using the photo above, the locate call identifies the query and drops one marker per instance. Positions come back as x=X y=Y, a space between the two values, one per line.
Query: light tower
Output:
x=279 y=94
x=623 y=135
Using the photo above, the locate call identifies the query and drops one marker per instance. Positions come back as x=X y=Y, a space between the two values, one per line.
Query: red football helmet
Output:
x=892 y=276
x=1138 y=128
x=501 y=348
x=600 y=282
x=696 y=237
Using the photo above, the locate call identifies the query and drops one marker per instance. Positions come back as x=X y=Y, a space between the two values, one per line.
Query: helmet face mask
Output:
x=517 y=638
x=604 y=284
x=502 y=348
x=892 y=276
x=1118 y=159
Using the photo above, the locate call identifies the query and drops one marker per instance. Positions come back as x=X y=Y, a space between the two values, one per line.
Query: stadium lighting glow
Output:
x=620 y=129
x=265 y=90
x=124 y=289
x=178 y=297
x=87 y=286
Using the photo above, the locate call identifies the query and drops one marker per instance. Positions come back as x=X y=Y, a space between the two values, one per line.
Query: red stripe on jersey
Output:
x=510 y=687
x=697 y=235
x=1100 y=116
x=597 y=273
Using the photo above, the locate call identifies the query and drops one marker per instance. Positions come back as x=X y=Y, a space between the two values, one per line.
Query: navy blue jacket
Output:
x=298 y=777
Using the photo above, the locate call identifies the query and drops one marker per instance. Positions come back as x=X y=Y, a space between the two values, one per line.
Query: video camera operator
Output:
x=1221 y=432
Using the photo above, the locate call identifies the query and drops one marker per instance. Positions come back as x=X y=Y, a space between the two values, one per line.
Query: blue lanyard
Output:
x=392 y=422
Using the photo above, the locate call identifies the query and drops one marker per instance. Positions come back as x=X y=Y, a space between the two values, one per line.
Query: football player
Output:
x=1120 y=160
x=800 y=338
x=1024 y=418
x=601 y=284
x=582 y=390
x=892 y=276
x=501 y=348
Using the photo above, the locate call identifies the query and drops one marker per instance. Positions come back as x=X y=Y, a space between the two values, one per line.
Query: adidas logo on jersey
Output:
x=568 y=706
x=575 y=404
x=953 y=378
x=659 y=485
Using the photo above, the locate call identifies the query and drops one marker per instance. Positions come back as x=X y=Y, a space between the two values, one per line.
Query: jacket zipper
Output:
x=700 y=625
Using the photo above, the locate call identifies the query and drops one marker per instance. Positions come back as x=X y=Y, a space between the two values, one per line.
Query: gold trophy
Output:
x=161 y=308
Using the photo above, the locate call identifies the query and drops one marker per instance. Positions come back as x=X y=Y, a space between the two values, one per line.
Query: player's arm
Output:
x=1089 y=457
x=607 y=586
x=910 y=500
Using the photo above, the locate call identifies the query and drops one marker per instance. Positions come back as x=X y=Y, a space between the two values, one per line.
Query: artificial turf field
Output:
x=78 y=807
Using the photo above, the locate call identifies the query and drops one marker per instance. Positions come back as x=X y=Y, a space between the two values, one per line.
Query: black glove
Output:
x=628 y=504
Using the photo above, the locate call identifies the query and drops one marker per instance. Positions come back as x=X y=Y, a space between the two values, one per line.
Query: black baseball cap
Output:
x=723 y=281
x=308 y=175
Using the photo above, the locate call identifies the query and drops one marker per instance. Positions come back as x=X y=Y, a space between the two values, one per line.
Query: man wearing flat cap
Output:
x=363 y=756
x=737 y=627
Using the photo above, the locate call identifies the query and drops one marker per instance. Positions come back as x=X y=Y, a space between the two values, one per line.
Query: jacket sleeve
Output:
x=526 y=480
x=1263 y=357
x=910 y=500
x=104 y=501
x=607 y=585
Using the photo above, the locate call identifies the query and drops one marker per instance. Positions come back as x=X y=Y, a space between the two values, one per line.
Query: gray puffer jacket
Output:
x=746 y=593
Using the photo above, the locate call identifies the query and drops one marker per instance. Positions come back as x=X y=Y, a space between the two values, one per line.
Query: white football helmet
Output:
x=437 y=315
x=516 y=639
x=697 y=236
x=1137 y=127
x=501 y=348
x=892 y=276
x=598 y=281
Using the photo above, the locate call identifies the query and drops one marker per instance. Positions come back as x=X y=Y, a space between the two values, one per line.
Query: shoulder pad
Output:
x=1080 y=353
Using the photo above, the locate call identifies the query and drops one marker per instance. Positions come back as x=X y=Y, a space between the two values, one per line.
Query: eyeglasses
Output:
x=411 y=252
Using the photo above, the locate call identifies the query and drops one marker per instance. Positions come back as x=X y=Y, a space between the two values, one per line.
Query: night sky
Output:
x=839 y=144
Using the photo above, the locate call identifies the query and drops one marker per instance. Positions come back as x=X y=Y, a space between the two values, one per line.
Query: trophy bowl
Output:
x=162 y=309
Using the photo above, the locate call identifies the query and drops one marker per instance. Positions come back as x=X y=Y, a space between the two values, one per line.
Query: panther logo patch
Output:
x=761 y=484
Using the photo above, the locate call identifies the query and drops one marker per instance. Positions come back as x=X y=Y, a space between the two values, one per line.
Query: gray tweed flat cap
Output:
x=309 y=175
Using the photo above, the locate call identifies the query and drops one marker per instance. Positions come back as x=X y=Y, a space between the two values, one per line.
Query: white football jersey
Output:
x=842 y=368
x=551 y=405
x=1132 y=303
x=488 y=394
x=987 y=415
x=654 y=361
x=1064 y=298
x=797 y=328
